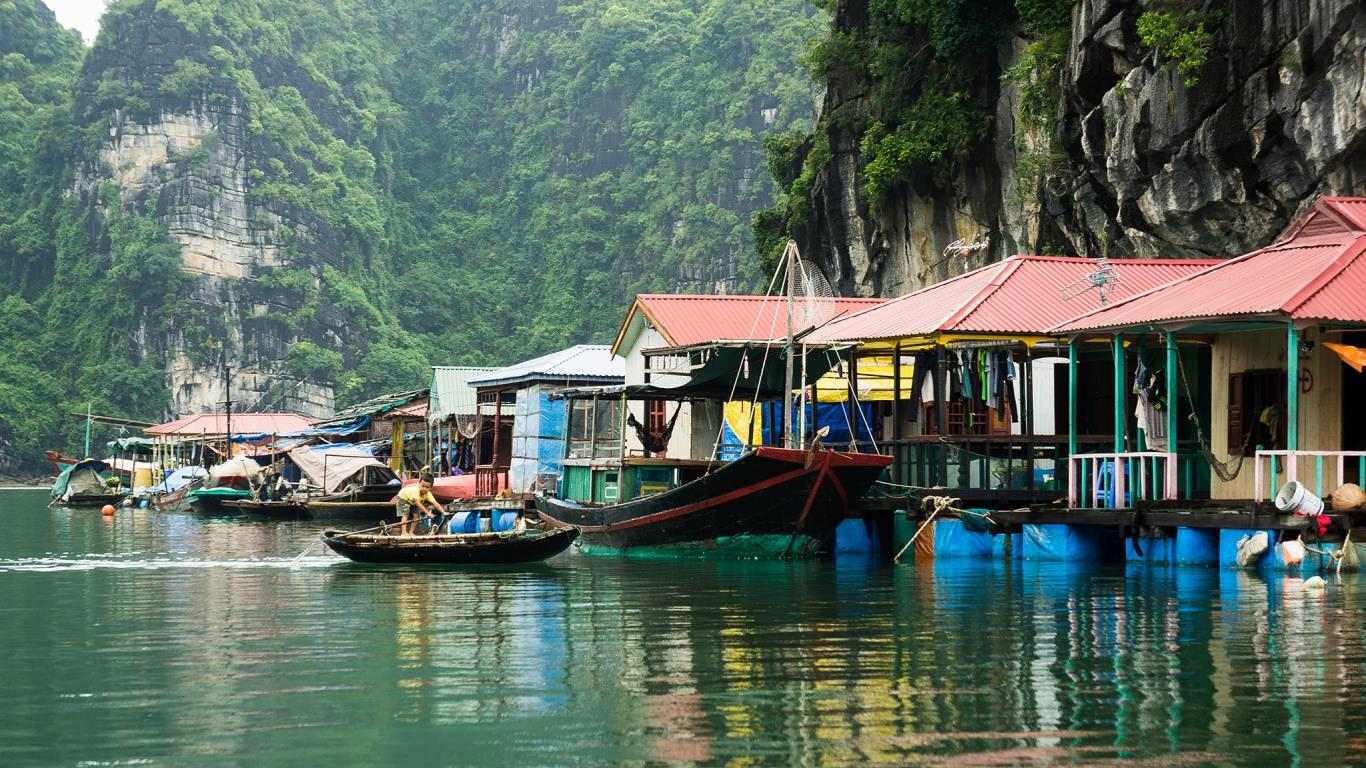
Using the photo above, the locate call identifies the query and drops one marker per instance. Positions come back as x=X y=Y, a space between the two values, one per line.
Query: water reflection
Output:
x=180 y=640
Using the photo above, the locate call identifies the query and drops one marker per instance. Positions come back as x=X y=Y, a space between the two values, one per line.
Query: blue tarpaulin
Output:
x=832 y=415
x=336 y=430
x=179 y=479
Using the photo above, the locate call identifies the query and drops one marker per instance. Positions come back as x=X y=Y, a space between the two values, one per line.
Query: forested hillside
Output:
x=330 y=196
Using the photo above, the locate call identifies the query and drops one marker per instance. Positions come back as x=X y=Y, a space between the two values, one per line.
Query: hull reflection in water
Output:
x=601 y=661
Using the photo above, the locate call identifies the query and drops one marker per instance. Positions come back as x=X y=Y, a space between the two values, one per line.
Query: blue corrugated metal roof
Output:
x=582 y=363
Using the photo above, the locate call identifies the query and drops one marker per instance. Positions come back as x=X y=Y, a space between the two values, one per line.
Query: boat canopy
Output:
x=332 y=469
x=84 y=476
x=238 y=467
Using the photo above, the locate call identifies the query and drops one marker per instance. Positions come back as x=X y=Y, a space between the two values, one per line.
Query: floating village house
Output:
x=1285 y=326
x=522 y=428
x=382 y=424
x=452 y=416
x=185 y=440
x=661 y=330
x=972 y=405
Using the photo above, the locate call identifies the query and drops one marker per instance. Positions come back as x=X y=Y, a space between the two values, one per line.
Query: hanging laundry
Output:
x=1009 y=387
x=1151 y=410
x=923 y=366
x=984 y=386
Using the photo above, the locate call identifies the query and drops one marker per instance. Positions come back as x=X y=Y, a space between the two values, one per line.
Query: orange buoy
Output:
x=107 y=510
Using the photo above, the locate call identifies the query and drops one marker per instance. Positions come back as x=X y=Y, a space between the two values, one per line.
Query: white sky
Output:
x=84 y=15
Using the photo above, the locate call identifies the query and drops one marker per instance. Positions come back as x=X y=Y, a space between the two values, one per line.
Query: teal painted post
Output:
x=1318 y=475
x=1361 y=470
x=1117 y=356
x=1292 y=388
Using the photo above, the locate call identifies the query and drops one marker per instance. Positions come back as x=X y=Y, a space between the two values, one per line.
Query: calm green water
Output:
x=170 y=640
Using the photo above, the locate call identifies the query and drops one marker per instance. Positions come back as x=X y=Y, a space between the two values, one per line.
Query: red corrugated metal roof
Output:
x=1020 y=295
x=242 y=424
x=1315 y=274
x=685 y=319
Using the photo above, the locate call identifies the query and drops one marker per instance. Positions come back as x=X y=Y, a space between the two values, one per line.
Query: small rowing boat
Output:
x=525 y=545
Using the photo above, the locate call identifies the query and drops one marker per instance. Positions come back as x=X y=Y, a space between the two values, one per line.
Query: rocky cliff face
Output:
x=1140 y=164
x=189 y=169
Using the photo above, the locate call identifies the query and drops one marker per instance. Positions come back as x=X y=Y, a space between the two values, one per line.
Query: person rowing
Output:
x=416 y=498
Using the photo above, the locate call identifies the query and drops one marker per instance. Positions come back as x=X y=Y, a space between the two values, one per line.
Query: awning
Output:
x=330 y=470
x=734 y=370
x=238 y=467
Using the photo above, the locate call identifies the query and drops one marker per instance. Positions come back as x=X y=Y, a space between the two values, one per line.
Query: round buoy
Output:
x=107 y=510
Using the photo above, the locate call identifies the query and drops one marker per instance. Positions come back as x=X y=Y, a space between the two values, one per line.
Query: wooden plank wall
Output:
x=1320 y=408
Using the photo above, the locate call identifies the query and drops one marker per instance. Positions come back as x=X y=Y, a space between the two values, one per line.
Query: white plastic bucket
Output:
x=1294 y=498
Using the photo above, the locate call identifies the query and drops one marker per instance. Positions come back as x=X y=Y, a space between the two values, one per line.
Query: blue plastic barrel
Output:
x=464 y=522
x=504 y=521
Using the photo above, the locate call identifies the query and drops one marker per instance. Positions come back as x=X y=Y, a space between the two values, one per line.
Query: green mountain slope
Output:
x=330 y=196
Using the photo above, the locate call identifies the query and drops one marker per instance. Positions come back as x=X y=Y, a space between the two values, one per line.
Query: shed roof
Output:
x=451 y=393
x=198 y=424
x=1025 y=295
x=1315 y=271
x=579 y=364
x=687 y=319
x=375 y=406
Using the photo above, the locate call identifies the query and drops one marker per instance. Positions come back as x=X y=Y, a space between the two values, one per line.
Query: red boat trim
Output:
x=844 y=458
x=669 y=514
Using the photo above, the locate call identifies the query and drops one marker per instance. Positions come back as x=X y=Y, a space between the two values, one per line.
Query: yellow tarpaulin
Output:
x=738 y=419
x=1353 y=356
x=876 y=381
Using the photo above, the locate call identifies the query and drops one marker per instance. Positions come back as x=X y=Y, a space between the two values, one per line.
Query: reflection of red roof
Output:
x=1317 y=271
x=242 y=424
x=1020 y=295
x=685 y=319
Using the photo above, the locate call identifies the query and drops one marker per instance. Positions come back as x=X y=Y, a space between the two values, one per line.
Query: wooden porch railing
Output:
x=1149 y=475
x=1265 y=469
x=979 y=462
x=489 y=479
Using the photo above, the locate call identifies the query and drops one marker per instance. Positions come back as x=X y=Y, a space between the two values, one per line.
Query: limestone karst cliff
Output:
x=1089 y=134
x=332 y=196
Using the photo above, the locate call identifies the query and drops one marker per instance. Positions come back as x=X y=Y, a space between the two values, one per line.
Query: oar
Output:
x=367 y=530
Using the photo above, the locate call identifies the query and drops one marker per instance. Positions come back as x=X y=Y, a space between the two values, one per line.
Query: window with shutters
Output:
x=656 y=418
x=1256 y=411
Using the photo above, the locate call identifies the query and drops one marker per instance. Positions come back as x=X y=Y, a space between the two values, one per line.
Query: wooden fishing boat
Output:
x=84 y=484
x=351 y=510
x=210 y=501
x=274 y=508
x=523 y=546
x=766 y=491
x=171 y=495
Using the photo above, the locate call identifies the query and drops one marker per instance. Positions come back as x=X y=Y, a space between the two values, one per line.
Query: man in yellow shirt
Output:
x=416 y=498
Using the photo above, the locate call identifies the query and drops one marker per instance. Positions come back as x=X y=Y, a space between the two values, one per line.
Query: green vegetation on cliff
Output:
x=921 y=75
x=469 y=182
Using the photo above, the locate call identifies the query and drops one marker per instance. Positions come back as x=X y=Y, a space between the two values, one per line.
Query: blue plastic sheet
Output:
x=1072 y=543
x=179 y=479
x=953 y=539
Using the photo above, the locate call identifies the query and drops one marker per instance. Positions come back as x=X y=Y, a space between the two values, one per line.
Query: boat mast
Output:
x=227 y=404
x=791 y=256
x=89 y=419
